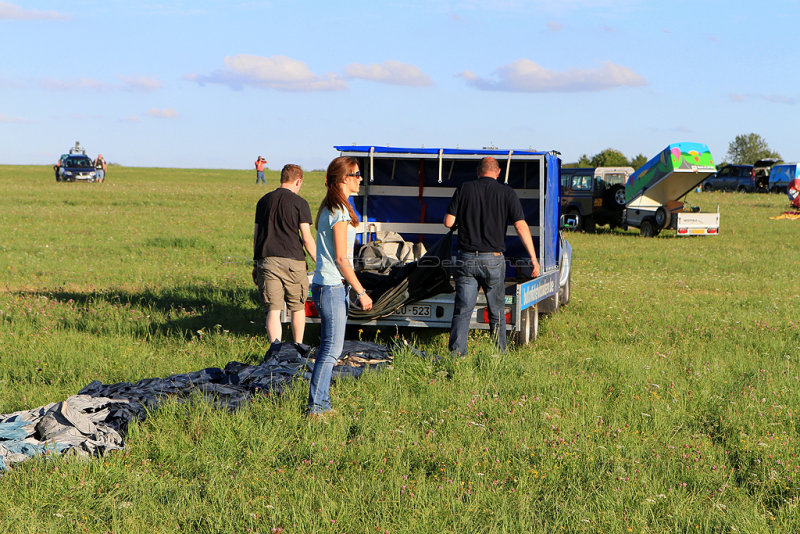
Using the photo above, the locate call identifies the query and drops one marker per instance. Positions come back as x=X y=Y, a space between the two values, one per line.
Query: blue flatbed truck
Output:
x=407 y=190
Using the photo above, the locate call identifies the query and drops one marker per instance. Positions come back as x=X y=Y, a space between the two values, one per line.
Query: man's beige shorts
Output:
x=282 y=280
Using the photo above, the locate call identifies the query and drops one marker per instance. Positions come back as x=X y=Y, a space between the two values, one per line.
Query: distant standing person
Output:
x=100 y=168
x=482 y=209
x=336 y=224
x=282 y=229
x=261 y=164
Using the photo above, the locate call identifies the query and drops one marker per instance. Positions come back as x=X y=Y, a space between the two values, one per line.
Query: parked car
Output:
x=74 y=167
x=761 y=169
x=740 y=178
x=594 y=195
x=781 y=175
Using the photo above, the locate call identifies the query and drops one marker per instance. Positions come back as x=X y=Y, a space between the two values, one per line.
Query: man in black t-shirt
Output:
x=283 y=228
x=483 y=208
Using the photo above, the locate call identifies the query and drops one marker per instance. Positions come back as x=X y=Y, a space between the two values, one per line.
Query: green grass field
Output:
x=664 y=398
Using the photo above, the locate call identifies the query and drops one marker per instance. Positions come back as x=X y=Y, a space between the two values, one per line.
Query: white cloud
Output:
x=391 y=72
x=276 y=72
x=73 y=85
x=14 y=120
x=526 y=76
x=554 y=26
x=166 y=113
x=129 y=83
x=9 y=11
x=774 y=99
x=141 y=83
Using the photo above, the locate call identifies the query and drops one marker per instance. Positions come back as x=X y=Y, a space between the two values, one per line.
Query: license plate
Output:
x=413 y=310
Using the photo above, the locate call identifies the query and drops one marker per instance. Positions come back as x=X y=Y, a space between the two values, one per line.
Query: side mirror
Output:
x=569 y=221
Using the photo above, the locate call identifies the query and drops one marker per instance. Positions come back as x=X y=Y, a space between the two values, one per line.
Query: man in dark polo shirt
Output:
x=483 y=209
x=279 y=263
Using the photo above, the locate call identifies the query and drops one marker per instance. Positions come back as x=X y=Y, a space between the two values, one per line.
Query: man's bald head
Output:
x=489 y=167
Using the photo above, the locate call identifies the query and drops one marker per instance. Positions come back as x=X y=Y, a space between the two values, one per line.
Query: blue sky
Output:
x=213 y=84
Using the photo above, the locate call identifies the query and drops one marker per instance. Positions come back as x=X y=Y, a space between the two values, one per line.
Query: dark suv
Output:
x=740 y=178
x=594 y=195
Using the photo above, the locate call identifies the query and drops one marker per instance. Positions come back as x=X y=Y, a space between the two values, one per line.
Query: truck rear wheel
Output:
x=589 y=224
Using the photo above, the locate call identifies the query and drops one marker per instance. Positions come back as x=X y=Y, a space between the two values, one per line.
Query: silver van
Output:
x=781 y=175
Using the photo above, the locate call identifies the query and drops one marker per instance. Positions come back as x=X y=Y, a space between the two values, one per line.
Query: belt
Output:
x=476 y=253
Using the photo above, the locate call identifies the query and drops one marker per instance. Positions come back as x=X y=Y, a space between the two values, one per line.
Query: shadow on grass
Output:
x=180 y=311
x=624 y=233
x=183 y=311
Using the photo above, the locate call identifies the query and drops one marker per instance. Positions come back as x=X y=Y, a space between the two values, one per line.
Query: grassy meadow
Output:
x=664 y=398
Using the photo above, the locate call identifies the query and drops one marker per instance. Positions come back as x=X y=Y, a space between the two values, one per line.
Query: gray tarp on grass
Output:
x=96 y=419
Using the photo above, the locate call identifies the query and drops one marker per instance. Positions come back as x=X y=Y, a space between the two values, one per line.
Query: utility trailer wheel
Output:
x=648 y=228
x=529 y=327
x=661 y=218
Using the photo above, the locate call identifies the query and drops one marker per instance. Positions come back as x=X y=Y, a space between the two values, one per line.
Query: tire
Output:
x=661 y=218
x=615 y=196
x=742 y=189
x=589 y=224
x=648 y=228
x=708 y=187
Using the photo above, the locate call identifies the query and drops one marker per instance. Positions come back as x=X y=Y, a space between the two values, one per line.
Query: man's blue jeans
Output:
x=260 y=177
x=331 y=303
x=487 y=270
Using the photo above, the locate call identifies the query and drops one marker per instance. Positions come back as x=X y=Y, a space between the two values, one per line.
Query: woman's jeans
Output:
x=331 y=303
x=487 y=270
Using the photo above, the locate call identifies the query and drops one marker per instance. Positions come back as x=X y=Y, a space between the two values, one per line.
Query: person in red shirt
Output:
x=261 y=164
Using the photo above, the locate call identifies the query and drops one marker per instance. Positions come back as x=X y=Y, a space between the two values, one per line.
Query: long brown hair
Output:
x=337 y=173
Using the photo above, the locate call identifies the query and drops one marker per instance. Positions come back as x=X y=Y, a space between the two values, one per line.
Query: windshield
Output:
x=78 y=162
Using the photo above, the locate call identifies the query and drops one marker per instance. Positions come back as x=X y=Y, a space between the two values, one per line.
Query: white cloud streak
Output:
x=276 y=72
x=525 y=76
x=141 y=83
x=773 y=99
x=166 y=113
x=9 y=11
x=5 y=119
x=389 y=72
x=80 y=84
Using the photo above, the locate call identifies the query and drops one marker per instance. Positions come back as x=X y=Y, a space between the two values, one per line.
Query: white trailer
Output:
x=653 y=192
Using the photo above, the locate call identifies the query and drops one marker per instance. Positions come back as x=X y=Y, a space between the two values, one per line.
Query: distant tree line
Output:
x=745 y=149
x=609 y=157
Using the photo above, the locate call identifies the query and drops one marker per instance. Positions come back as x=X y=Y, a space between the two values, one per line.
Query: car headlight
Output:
x=93 y=173
x=68 y=173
